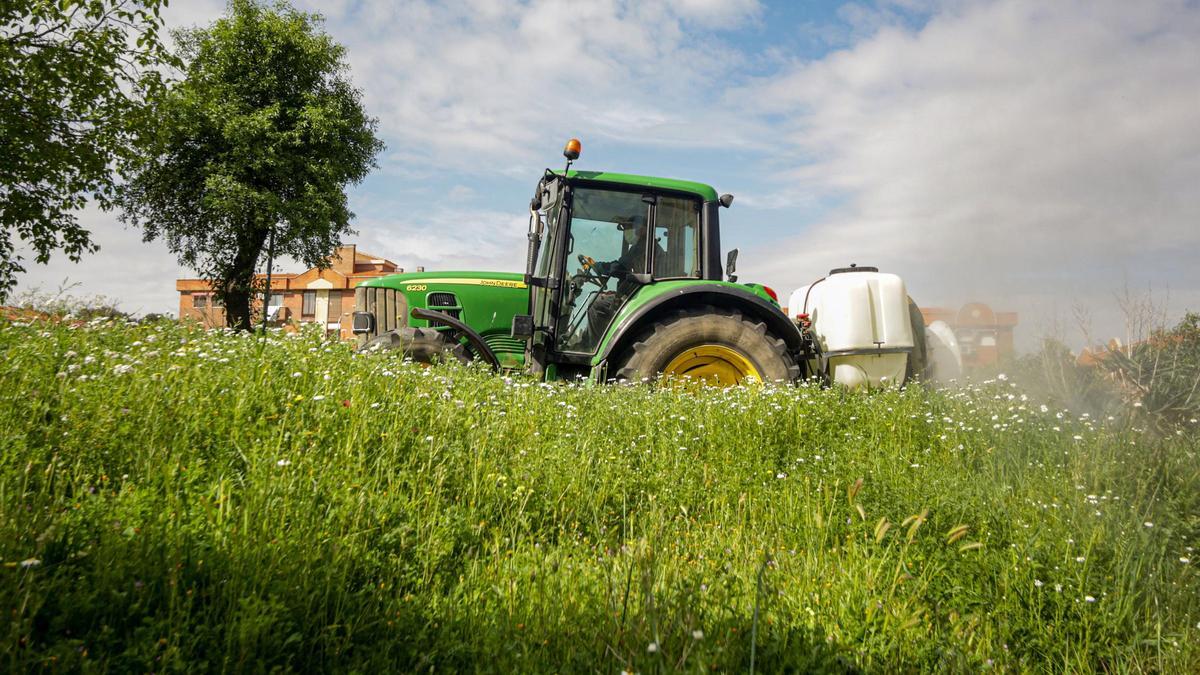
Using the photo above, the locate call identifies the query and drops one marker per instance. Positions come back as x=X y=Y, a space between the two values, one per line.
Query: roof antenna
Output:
x=571 y=152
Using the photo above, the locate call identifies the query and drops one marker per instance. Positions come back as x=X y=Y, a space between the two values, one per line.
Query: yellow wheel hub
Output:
x=714 y=364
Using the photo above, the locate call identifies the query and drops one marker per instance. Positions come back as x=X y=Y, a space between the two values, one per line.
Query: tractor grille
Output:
x=443 y=302
x=387 y=304
x=503 y=344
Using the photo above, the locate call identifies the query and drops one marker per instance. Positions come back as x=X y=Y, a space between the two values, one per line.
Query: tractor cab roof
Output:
x=705 y=192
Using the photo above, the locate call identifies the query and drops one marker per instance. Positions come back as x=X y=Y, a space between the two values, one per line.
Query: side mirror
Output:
x=522 y=327
x=726 y=200
x=731 y=265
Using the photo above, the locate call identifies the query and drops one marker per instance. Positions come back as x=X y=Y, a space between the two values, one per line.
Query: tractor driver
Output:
x=623 y=269
x=632 y=261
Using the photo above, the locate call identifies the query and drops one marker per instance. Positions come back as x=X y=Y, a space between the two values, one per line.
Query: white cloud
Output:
x=469 y=85
x=1029 y=154
x=454 y=238
x=139 y=276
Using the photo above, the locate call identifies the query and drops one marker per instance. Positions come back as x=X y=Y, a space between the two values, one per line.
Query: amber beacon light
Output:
x=572 y=150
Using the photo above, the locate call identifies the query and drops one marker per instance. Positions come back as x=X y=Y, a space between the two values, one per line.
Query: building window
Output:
x=276 y=300
x=310 y=303
x=199 y=301
x=335 y=306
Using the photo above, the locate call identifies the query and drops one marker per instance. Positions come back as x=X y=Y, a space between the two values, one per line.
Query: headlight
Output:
x=364 y=322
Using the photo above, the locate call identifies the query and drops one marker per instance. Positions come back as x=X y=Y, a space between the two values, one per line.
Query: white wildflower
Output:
x=122 y=368
x=1089 y=598
x=319 y=397
x=697 y=634
x=652 y=647
x=284 y=462
x=30 y=562
x=1037 y=583
x=1148 y=524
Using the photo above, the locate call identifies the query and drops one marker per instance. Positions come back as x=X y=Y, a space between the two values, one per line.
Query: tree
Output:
x=259 y=139
x=73 y=75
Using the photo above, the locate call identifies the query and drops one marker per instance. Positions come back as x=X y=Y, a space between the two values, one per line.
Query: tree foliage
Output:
x=263 y=132
x=1154 y=382
x=73 y=74
x=1160 y=376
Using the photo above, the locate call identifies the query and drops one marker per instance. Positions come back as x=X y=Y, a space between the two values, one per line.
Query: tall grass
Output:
x=175 y=500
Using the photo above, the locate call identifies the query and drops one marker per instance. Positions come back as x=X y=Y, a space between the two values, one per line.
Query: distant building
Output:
x=324 y=297
x=985 y=336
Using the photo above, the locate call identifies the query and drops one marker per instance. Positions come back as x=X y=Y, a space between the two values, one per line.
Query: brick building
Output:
x=985 y=336
x=324 y=297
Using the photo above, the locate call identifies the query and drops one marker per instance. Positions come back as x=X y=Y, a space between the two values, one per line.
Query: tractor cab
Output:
x=595 y=240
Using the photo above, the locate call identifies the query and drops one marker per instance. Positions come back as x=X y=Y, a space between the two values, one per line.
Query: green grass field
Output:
x=173 y=500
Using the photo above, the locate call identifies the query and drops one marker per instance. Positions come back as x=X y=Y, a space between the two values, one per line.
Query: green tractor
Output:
x=623 y=281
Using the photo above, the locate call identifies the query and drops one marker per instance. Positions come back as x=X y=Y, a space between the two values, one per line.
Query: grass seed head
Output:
x=881 y=529
x=916 y=523
x=852 y=491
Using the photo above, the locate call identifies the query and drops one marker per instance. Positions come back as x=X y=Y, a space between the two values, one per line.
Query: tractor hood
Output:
x=458 y=278
x=485 y=301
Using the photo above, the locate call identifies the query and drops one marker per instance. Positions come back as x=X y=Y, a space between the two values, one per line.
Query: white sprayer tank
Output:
x=860 y=318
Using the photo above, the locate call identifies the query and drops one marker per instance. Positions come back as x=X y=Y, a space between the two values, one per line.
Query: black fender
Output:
x=749 y=303
x=481 y=348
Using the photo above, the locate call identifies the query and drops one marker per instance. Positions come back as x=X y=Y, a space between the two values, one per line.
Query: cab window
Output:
x=676 y=238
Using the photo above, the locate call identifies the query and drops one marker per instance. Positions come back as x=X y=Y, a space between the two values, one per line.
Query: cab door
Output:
x=543 y=295
x=605 y=261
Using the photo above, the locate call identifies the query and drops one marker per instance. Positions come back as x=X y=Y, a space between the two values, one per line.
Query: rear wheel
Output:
x=423 y=345
x=717 y=346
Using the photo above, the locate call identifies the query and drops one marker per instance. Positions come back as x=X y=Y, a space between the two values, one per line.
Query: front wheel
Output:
x=423 y=345
x=708 y=344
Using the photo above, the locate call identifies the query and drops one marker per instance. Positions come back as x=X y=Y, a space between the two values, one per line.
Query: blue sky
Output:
x=1041 y=157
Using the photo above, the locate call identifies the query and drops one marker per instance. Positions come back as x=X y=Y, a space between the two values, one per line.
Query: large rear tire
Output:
x=423 y=345
x=718 y=346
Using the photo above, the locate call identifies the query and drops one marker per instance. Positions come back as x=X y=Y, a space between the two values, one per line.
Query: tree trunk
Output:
x=238 y=287
x=237 y=309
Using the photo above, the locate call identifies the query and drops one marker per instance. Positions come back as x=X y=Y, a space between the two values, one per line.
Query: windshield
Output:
x=606 y=248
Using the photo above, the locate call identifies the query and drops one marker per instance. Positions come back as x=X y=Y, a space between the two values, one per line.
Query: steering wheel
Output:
x=588 y=272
